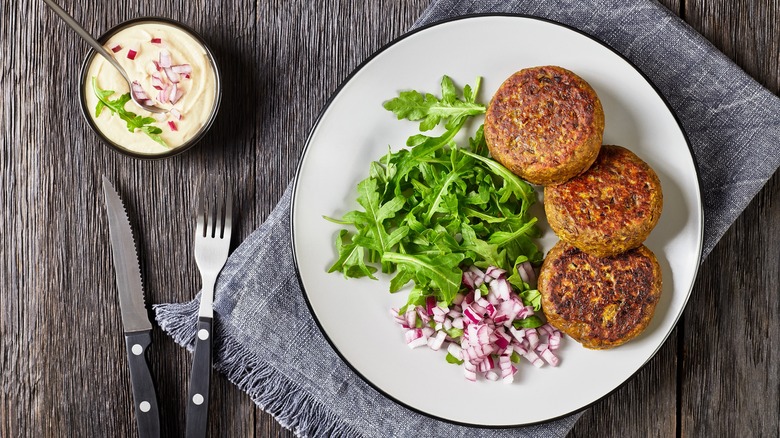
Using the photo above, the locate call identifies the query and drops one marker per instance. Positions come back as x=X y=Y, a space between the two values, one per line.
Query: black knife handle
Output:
x=147 y=414
x=200 y=381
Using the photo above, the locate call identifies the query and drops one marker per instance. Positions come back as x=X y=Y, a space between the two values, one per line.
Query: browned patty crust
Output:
x=610 y=208
x=545 y=124
x=600 y=302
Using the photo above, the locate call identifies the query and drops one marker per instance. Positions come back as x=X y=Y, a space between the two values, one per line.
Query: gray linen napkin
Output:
x=267 y=342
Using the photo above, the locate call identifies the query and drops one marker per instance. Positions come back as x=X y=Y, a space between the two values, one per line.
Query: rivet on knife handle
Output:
x=144 y=395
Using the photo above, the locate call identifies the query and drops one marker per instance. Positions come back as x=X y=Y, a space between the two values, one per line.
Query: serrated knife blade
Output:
x=137 y=328
x=128 y=272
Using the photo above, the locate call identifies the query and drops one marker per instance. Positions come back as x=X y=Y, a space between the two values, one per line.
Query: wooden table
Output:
x=63 y=362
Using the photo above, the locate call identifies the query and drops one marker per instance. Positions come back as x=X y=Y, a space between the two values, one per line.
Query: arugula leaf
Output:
x=133 y=120
x=532 y=298
x=452 y=359
x=377 y=237
x=502 y=238
x=521 y=189
x=430 y=111
x=416 y=297
x=532 y=321
x=351 y=259
x=454 y=332
x=442 y=272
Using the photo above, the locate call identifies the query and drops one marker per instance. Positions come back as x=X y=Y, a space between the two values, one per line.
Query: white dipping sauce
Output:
x=199 y=91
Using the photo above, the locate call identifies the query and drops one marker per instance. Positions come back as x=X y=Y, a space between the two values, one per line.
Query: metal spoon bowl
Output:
x=73 y=24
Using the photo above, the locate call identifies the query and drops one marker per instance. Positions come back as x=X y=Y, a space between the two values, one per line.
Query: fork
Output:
x=212 y=242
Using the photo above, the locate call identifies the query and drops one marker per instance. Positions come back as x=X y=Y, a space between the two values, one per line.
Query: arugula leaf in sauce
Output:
x=133 y=120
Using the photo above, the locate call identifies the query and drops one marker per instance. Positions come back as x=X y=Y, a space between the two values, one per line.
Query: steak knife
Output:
x=137 y=328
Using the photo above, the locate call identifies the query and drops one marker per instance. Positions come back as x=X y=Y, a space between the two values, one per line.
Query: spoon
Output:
x=70 y=21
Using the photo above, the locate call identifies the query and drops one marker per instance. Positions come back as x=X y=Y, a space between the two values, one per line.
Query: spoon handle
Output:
x=73 y=24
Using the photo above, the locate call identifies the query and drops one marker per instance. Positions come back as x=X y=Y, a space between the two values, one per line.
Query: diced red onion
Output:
x=162 y=96
x=488 y=332
x=471 y=315
x=470 y=371
x=157 y=82
x=177 y=114
x=419 y=342
x=177 y=94
x=458 y=323
x=430 y=303
x=468 y=279
x=422 y=314
x=534 y=358
x=165 y=58
x=172 y=75
x=411 y=317
x=486 y=364
x=527 y=273
x=455 y=350
x=476 y=271
x=182 y=68
x=458 y=299
x=138 y=91
x=495 y=273
x=533 y=337
x=501 y=288
x=518 y=334
x=436 y=342
x=483 y=335
x=478 y=309
x=413 y=334
x=554 y=340
x=550 y=357
x=172 y=125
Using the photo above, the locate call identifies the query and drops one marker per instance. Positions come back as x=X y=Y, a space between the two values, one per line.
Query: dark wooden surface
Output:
x=62 y=359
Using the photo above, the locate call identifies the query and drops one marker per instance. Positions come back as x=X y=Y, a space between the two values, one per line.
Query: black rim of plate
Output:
x=308 y=143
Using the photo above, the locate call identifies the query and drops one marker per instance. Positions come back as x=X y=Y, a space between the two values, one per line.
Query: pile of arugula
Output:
x=435 y=208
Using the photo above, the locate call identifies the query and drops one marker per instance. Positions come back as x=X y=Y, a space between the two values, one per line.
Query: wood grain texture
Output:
x=62 y=358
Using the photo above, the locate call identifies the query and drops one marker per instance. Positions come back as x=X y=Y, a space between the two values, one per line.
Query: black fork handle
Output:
x=200 y=381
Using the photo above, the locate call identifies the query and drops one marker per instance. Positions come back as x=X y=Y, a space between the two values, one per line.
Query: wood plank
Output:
x=730 y=369
x=730 y=373
x=745 y=30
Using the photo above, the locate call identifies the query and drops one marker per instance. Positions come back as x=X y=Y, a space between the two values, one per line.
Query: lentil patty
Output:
x=610 y=208
x=600 y=302
x=545 y=124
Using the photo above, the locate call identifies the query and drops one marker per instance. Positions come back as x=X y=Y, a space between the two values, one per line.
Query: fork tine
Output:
x=228 y=215
x=200 y=213
x=220 y=211
x=212 y=215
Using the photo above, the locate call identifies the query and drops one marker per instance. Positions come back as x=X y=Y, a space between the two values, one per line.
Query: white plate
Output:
x=354 y=130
